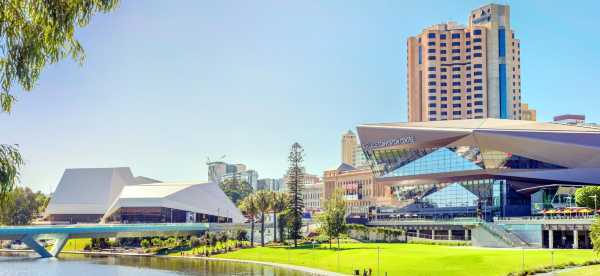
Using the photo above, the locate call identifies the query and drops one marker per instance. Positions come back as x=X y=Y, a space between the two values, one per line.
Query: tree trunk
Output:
x=338 y=241
x=252 y=234
x=274 y=227
x=262 y=229
x=329 y=243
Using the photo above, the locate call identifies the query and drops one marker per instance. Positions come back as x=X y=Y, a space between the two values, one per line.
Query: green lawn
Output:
x=413 y=259
x=77 y=244
x=593 y=270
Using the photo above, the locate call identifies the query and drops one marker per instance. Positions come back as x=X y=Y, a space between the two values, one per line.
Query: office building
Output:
x=349 y=144
x=528 y=114
x=466 y=72
x=312 y=196
x=271 y=184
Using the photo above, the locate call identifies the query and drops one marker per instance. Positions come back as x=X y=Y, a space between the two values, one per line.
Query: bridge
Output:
x=31 y=235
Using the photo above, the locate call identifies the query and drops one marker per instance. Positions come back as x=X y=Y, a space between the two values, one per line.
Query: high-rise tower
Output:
x=457 y=72
x=349 y=143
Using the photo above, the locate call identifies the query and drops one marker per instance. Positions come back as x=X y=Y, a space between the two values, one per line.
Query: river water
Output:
x=74 y=264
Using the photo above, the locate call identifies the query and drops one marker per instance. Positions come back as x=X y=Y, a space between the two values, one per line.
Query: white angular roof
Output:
x=89 y=190
x=205 y=198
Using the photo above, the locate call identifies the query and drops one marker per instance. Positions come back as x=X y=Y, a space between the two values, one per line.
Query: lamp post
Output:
x=595 y=197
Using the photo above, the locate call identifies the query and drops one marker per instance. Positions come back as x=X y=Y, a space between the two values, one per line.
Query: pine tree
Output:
x=295 y=182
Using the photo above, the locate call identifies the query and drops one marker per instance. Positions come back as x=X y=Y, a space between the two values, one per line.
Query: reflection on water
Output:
x=72 y=264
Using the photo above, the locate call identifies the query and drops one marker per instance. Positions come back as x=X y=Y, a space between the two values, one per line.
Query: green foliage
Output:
x=236 y=190
x=279 y=203
x=584 y=196
x=333 y=218
x=241 y=235
x=10 y=164
x=21 y=206
x=36 y=33
x=145 y=243
x=595 y=235
x=295 y=182
x=263 y=204
x=248 y=208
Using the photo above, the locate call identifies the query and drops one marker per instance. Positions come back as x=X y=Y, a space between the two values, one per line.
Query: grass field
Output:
x=584 y=271
x=413 y=259
x=76 y=244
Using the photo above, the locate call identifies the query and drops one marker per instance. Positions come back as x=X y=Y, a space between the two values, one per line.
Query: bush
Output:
x=145 y=243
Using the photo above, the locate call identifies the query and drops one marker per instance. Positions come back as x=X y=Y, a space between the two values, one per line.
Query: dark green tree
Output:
x=32 y=35
x=595 y=235
x=333 y=218
x=295 y=182
x=584 y=197
x=21 y=206
x=279 y=203
x=248 y=208
x=235 y=189
x=263 y=205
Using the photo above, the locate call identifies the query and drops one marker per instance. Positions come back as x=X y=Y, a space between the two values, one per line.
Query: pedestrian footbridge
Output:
x=31 y=235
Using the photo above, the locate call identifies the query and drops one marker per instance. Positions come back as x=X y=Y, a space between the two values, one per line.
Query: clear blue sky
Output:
x=167 y=84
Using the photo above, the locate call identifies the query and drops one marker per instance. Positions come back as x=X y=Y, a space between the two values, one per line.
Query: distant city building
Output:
x=249 y=176
x=570 y=119
x=349 y=143
x=359 y=159
x=308 y=179
x=92 y=195
x=357 y=185
x=271 y=184
x=220 y=171
x=528 y=114
x=216 y=170
x=312 y=195
x=457 y=72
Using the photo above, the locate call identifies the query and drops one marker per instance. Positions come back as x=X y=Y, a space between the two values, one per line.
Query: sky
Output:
x=168 y=84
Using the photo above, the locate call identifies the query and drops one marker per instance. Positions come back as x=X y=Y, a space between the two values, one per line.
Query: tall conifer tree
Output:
x=295 y=183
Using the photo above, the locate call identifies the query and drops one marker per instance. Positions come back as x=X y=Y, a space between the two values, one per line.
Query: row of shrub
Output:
x=550 y=268
x=433 y=242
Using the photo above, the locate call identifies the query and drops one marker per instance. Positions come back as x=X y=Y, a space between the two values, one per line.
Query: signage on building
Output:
x=384 y=143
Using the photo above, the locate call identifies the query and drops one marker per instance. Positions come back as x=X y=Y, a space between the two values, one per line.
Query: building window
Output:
x=431 y=43
x=468 y=90
x=456 y=91
x=456 y=98
x=431 y=58
x=444 y=106
x=444 y=91
x=476 y=40
x=477 y=32
x=456 y=76
x=477 y=54
x=444 y=113
x=468 y=34
x=443 y=77
x=431 y=35
x=477 y=47
x=443 y=70
x=455 y=69
x=456 y=105
x=454 y=51
x=478 y=81
x=432 y=105
x=477 y=88
x=443 y=84
x=432 y=98
x=431 y=90
x=444 y=98
x=443 y=52
x=443 y=58
x=468 y=43
x=469 y=105
x=457 y=35
x=442 y=44
x=478 y=96
x=456 y=83
x=477 y=65
x=478 y=102
x=442 y=36
x=456 y=43
x=478 y=110
x=431 y=69
x=456 y=112
x=431 y=50
x=477 y=73
x=468 y=82
x=432 y=83
x=456 y=58
x=431 y=76
x=432 y=112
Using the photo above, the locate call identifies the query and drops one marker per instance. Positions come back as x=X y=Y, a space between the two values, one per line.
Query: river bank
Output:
x=308 y=270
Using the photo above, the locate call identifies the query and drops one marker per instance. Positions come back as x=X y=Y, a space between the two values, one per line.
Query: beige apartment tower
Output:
x=457 y=72
x=349 y=143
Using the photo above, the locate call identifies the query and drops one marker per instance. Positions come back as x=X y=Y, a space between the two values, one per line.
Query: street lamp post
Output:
x=595 y=197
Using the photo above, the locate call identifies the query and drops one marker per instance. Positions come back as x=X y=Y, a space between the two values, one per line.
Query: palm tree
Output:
x=248 y=207
x=279 y=204
x=263 y=205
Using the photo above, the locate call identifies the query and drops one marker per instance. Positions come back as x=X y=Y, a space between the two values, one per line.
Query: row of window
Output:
x=456 y=112
x=455 y=43
x=475 y=65
x=432 y=57
x=455 y=83
x=454 y=35
x=454 y=98
x=456 y=105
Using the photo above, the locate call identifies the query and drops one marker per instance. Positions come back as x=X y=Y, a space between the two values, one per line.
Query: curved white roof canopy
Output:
x=205 y=198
